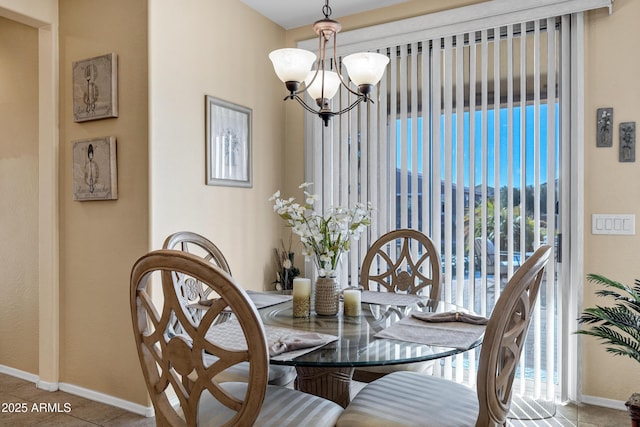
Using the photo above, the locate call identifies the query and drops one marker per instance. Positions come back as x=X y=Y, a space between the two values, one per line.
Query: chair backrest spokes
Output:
x=484 y=246
x=194 y=243
x=504 y=339
x=189 y=290
x=402 y=261
x=182 y=361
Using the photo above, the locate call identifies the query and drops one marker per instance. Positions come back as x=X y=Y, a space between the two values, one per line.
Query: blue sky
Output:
x=504 y=141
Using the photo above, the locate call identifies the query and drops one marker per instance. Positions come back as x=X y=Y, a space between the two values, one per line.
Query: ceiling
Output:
x=296 y=13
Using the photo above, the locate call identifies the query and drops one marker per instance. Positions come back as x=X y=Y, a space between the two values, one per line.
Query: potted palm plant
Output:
x=618 y=326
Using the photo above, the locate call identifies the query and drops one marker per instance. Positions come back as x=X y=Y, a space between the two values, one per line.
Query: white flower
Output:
x=324 y=238
x=275 y=195
x=286 y=264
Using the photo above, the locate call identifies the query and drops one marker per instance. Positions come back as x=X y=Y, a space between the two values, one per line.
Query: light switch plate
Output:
x=613 y=224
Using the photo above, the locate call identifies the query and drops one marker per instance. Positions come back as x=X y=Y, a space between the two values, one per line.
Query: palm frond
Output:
x=602 y=280
x=624 y=345
x=619 y=325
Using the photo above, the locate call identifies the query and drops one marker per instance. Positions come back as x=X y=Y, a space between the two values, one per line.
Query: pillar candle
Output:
x=301 y=297
x=352 y=300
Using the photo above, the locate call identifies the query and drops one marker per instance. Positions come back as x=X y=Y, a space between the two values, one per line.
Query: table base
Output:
x=331 y=383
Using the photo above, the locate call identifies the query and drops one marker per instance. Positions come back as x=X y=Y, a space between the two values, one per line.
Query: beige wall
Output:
x=100 y=240
x=190 y=56
x=19 y=195
x=611 y=71
x=219 y=49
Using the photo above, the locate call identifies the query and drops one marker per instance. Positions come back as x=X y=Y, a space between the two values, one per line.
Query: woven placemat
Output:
x=390 y=298
x=528 y=408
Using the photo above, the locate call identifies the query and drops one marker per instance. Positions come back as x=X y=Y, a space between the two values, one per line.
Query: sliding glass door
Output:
x=465 y=144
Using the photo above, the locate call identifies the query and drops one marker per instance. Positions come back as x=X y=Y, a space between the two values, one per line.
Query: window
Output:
x=480 y=186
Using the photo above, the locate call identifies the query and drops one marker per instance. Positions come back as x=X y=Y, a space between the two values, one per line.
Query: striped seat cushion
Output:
x=412 y=399
x=278 y=374
x=282 y=407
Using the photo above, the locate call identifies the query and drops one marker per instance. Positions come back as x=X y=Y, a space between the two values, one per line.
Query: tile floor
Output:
x=16 y=394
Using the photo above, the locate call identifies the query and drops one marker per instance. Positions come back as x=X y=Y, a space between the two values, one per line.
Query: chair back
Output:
x=403 y=261
x=505 y=337
x=181 y=361
x=190 y=291
x=479 y=247
x=188 y=241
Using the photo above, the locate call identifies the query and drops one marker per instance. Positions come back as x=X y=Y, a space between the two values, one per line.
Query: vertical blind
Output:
x=464 y=143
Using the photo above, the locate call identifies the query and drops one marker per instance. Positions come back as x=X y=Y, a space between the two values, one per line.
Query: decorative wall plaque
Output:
x=627 y=142
x=604 y=127
x=95 y=174
x=95 y=88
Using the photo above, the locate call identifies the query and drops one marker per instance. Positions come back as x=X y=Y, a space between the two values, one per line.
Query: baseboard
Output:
x=45 y=385
x=146 y=411
x=23 y=375
x=606 y=403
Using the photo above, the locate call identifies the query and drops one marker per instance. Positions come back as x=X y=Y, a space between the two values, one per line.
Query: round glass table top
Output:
x=356 y=344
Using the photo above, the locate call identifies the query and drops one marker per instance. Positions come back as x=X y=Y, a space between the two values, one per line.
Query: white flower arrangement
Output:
x=324 y=238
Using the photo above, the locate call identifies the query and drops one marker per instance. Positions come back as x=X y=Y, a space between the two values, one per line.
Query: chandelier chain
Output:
x=326 y=10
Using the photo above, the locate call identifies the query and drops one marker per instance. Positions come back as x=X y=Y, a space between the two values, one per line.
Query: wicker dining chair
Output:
x=401 y=261
x=414 y=399
x=181 y=362
x=191 y=293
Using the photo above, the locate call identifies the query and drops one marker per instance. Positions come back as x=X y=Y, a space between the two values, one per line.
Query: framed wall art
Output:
x=604 y=127
x=228 y=143
x=95 y=88
x=95 y=172
x=627 y=151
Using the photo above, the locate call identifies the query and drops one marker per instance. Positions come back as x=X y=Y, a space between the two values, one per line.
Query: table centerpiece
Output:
x=324 y=237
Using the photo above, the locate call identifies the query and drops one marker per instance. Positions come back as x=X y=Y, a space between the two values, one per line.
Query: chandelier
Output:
x=293 y=66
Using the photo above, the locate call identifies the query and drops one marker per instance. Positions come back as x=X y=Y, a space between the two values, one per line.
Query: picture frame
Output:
x=627 y=134
x=94 y=169
x=95 y=88
x=228 y=143
x=604 y=127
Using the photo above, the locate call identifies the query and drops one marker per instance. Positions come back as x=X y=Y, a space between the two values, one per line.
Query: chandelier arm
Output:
x=320 y=61
x=304 y=105
x=339 y=73
x=352 y=106
x=298 y=92
x=323 y=58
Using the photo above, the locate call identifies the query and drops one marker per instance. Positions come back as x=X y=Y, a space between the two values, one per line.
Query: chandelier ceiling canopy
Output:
x=294 y=66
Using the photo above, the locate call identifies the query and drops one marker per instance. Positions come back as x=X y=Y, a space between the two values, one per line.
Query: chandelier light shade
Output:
x=365 y=68
x=294 y=67
x=316 y=88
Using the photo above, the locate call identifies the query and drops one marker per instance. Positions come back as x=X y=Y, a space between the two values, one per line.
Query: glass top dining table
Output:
x=327 y=371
